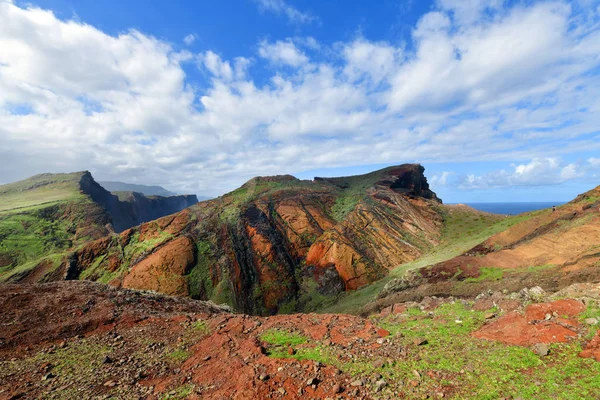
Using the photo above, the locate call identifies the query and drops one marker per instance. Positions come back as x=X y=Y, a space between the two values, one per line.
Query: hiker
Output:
x=553 y=208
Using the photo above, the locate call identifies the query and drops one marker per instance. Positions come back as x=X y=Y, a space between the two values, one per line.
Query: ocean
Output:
x=512 y=208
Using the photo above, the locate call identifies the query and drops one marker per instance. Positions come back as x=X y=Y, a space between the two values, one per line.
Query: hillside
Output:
x=550 y=249
x=67 y=340
x=45 y=217
x=276 y=243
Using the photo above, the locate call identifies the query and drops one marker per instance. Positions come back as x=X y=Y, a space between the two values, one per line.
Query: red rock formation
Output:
x=539 y=324
x=254 y=247
x=163 y=271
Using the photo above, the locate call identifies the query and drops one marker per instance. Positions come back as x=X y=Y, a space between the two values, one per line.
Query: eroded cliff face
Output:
x=275 y=244
x=132 y=208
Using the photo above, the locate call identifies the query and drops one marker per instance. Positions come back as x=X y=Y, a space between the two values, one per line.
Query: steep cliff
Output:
x=45 y=217
x=276 y=243
x=127 y=209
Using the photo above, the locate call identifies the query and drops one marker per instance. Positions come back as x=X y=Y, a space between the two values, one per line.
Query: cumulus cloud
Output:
x=222 y=69
x=282 y=52
x=374 y=60
x=538 y=172
x=514 y=86
x=280 y=7
x=440 y=180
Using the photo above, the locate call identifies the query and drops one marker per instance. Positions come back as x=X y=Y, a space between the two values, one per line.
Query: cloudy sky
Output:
x=499 y=100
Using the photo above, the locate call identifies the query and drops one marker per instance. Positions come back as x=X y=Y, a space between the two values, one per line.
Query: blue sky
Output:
x=499 y=100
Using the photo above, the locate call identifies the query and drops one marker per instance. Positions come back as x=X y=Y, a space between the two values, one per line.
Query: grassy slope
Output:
x=29 y=230
x=463 y=229
x=353 y=190
x=472 y=368
x=39 y=191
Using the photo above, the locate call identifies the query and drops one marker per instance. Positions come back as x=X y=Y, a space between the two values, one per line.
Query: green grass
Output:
x=40 y=190
x=482 y=369
x=353 y=190
x=282 y=338
x=199 y=278
x=179 y=393
x=487 y=274
x=178 y=355
x=40 y=219
x=137 y=248
x=472 y=368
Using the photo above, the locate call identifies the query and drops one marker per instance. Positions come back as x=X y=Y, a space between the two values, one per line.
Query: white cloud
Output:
x=190 y=39
x=440 y=180
x=515 y=56
x=538 y=172
x=510 y=87
x=282 y=8
x=222 y=69
x=375 y=60
x=595 y=162
x=282 y=52
x=219 y=68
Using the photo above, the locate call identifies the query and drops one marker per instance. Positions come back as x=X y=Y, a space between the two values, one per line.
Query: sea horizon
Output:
x=513 y=208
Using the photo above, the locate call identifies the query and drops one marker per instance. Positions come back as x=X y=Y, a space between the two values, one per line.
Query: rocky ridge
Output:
x=276 y=243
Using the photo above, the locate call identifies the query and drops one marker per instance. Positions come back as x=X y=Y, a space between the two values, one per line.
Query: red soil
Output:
x=541 y=323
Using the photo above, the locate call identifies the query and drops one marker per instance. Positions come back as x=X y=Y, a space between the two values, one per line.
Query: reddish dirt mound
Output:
x=144 y=345
x=235 y=347
x=592 y=349
x=39 y=314
x=541 y=323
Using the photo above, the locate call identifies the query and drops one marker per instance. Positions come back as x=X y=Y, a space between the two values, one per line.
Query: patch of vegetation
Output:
x=200 y=327
x=86 y=273
x=487 y=274
x=353 y=190
x=476 y=368
x=9 y=272
x=179 y=393
x=280 y=337
x=137 y=248
x=199 y=279
x=310 y=298
x=315 y=353
x=27 y=237
x=75 y=358
x=533 y=268
x=565 y=225
x=178 y=355
x=223 y=292
x=280 y=341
